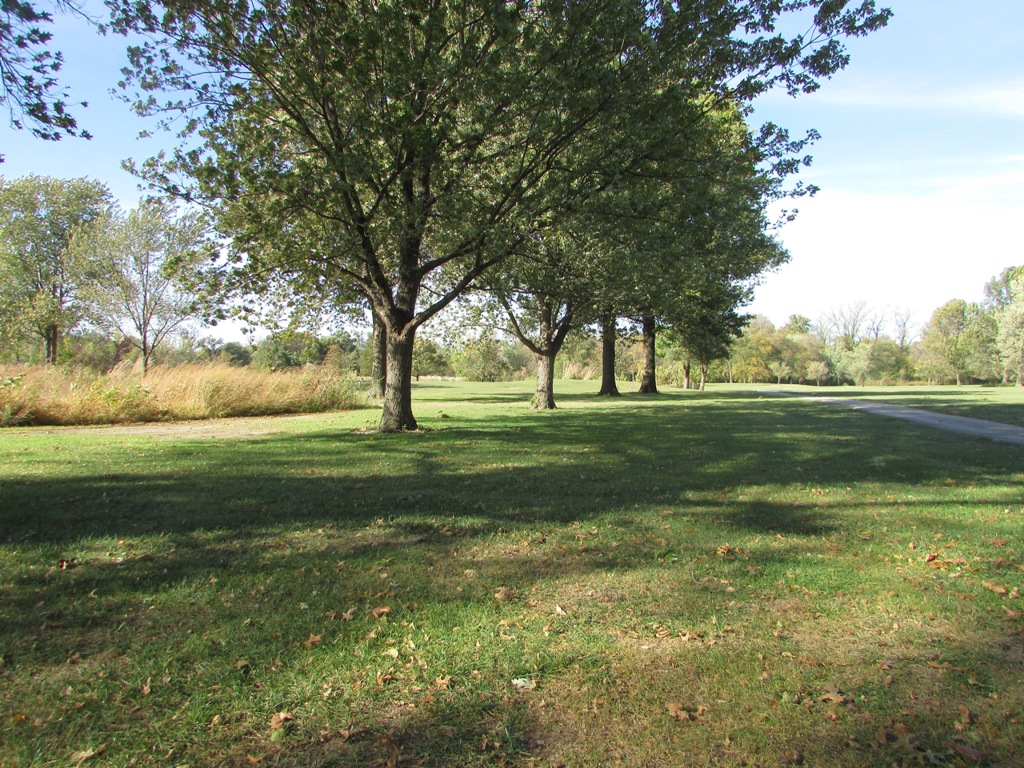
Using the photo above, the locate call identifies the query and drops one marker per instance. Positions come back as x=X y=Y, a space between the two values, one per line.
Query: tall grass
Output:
x=75 y=396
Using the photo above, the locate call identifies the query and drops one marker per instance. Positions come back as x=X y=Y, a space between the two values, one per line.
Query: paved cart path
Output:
x=962 y=425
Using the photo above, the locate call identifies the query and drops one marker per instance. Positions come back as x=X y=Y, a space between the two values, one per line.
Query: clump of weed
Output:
x=75 y=396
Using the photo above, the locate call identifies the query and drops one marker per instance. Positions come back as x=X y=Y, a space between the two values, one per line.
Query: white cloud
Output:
x=909 y=251
x=1005 y=99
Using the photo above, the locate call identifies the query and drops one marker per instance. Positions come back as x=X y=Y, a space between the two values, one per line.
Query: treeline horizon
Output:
x=856 y=344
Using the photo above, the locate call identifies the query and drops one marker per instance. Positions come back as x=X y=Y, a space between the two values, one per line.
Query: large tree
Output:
x=544 y=293
x=41 y=275
x=135 y=257
x=957 y=340
x=1010 y=338
x=434 y=135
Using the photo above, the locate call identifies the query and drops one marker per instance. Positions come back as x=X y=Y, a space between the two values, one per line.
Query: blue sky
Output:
x=920 y=164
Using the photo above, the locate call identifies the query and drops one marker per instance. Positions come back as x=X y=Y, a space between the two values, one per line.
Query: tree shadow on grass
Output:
x=369 y=513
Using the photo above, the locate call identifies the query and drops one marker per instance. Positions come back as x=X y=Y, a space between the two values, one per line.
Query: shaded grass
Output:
x=690 y=579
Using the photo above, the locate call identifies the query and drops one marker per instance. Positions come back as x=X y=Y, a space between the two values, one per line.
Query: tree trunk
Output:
x=648 y=380
x=378 y=368
x=608 y=333
x=397 y=415
x=704 y=375
x=544 y=396
x=687 y=384
x=52 y=337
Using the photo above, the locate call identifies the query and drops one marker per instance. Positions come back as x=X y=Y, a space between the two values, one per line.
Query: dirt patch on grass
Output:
x=230 y=429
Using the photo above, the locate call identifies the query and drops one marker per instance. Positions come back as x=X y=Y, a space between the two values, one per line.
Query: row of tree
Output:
x=557 y=163
x=71 y=262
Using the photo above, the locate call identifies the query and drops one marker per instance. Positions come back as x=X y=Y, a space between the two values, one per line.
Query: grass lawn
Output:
x=711 y=578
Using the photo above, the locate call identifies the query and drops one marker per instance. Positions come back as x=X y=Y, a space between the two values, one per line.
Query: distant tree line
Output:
x=962 y=342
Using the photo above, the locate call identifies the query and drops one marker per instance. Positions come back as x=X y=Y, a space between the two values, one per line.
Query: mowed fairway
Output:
x=695 y=579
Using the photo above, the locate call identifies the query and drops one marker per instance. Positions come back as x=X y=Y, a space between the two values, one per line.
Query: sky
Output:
x=920 y=164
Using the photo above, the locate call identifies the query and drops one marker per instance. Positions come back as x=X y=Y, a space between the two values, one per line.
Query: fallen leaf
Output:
x=524 y=683
x=146 y=689
x=995 y=588
x=443 y=683
x=350 y=732
x=347 y=615
x=77 y=758
x=560 y=611
x=834 y=695
x=967 y=752
x=313 y=640
x=242 y=665
x=679 y=712
x=280 y=720
x=380 y=612
x=505 y=593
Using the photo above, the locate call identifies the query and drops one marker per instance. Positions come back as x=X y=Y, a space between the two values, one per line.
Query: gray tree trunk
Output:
x=649 y=378
x=608 y=333
x=378 y=369
x=544 y=396
x=397 y=415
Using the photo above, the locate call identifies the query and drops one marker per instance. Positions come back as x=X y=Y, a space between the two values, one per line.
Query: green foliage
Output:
x=490 y=359
x=1011 y=332
x=143 y=263
x=289 y=349
x=41 y=274
x=29 y=88
x=234 y=353
x=957 y=342
x=375 y=150
x=429 y=359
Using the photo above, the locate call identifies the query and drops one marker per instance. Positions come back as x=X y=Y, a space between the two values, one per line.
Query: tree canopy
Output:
x=433 y=137
x=40 y=273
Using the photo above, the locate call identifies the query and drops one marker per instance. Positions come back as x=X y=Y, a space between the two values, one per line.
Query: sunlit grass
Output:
x=692 y=579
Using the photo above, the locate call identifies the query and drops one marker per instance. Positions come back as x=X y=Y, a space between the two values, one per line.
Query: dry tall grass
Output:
x=59 y=396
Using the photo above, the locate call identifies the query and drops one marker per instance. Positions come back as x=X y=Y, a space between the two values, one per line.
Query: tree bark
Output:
x=687 y=382
x=608 y=333
x=378 y=368
x=397 y=415
x=544 y=396
x=704 y=368
x=52 y=337
x=648 y=380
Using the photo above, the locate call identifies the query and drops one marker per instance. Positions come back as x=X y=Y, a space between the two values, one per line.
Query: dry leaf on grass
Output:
x=968 y=753
x=313 y=640
x=679 y=712
x=524 y=684
x=380 y=612
x=834 y=695
x=280 y=720
x=505 y=593
x=350 y=732
x=77 y=758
